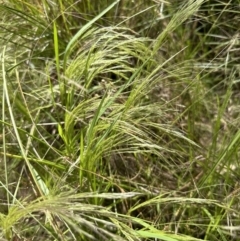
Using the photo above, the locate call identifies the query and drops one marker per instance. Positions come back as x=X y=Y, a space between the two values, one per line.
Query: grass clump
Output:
x=119 y=120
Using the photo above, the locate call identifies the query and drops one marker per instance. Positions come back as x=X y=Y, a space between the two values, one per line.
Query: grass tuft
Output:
x=119 y=120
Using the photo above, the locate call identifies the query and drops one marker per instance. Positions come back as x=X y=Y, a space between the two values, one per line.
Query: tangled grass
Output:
x=119 y=120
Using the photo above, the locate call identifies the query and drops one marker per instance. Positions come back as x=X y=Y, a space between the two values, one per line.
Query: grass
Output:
x=119 y=120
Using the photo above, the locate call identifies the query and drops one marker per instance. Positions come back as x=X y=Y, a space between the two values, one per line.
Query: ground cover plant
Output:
x=120 y=120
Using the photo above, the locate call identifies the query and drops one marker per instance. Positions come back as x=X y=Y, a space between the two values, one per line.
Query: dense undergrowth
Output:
x=120 y=120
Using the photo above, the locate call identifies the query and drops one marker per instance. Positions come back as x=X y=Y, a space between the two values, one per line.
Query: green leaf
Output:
x=83 y=30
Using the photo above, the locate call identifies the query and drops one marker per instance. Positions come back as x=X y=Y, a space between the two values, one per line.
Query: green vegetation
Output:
x=119 y=120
